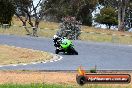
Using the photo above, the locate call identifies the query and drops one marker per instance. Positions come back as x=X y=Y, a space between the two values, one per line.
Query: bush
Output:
x=70 y=28
x=7 y=11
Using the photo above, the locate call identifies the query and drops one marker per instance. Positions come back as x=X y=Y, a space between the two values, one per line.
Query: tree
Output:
x=122 y=6
x=7 y=11
x=80 y=9
x=22 y=10
x=107 y=16
x=27 y=11
x=121 y=14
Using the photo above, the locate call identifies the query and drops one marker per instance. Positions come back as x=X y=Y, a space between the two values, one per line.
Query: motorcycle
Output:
x=66 y=47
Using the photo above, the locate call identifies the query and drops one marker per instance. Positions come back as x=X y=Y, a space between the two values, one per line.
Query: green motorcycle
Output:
x=67 y=47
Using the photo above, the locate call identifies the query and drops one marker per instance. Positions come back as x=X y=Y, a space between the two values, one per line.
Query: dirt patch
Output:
x=27 y=77
x=37 y=77
x=14 y=55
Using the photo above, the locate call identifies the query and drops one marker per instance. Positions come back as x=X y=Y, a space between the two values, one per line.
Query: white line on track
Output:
x=14 y=65
x=24 y=64
x=51 y=61
x=44 y=62
x=129 y=45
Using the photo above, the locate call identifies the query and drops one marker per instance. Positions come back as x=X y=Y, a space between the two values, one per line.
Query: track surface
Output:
x=105 y=56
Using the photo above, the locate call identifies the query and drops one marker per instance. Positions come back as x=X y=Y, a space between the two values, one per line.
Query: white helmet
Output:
x=55 y=36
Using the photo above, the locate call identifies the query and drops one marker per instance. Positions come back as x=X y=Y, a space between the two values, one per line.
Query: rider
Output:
x=56 y=40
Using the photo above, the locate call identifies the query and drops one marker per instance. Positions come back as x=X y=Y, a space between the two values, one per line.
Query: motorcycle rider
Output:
x=57 y=41
x=62 y=44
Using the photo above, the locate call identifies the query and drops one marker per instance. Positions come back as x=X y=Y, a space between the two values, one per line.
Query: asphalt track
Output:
x=106 y=56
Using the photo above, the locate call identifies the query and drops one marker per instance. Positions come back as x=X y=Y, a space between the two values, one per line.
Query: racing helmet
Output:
x=55 y=36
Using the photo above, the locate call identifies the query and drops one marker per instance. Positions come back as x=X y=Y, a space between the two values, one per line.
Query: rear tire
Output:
x=73 y=51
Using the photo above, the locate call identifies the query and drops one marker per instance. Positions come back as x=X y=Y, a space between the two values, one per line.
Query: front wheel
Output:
x=56 y=51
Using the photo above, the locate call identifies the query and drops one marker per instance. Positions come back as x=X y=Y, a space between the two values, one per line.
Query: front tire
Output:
x=56 y=51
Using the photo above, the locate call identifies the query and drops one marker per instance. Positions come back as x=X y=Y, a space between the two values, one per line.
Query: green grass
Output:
x=57 y=86
x=33 y=86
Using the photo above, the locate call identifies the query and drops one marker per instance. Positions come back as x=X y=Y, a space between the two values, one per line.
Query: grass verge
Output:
x=55 y=86
x=33 y=86
x=41 y=78
x=14 y=55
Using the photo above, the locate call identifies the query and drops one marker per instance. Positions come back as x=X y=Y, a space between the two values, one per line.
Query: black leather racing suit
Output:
x=57 y=42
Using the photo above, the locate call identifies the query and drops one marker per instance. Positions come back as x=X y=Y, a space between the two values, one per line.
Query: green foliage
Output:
x=7 y=10
x=81 y=9
x=70 y=28
x=22 y=6
x=107 y=16
x=93 y=71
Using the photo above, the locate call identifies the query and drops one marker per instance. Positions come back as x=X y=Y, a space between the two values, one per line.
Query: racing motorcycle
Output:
x=67 y=47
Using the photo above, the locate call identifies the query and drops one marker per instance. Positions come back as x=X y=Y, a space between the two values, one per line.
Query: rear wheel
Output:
x=73 y=51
